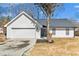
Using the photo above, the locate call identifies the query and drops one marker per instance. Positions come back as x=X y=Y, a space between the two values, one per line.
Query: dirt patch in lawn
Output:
x=60 y=47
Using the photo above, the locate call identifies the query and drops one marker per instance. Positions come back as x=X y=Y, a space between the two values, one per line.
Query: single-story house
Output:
x=60 y=28
x=24 y=26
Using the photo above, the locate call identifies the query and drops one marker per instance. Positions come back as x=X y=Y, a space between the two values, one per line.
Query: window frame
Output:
x=67 y=31
x=53 y=31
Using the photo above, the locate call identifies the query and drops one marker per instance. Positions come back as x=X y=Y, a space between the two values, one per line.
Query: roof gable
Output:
x=19 y=15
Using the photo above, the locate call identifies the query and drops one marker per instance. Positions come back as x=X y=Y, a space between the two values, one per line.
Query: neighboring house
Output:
x=24 y=26
x=77 y=29
x=1 y=30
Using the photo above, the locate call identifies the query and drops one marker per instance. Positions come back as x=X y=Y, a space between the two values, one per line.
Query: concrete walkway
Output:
x=15 y=47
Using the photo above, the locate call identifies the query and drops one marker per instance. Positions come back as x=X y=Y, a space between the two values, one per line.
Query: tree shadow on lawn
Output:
x=44 y=41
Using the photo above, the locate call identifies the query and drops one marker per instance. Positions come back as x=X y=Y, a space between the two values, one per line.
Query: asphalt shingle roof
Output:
x=59 y=23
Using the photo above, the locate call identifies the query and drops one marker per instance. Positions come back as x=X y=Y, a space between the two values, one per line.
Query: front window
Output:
x=67 y=31
x=53 y=31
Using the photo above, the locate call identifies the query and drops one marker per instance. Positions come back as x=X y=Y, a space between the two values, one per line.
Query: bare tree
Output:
x=48 y=9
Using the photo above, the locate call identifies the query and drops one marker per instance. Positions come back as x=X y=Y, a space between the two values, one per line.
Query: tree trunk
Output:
x=49 y=35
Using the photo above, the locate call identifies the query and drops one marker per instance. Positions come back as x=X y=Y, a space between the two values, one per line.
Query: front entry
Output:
x=43 y=32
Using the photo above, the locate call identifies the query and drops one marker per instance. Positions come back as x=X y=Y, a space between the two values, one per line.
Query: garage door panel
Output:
x=23 y=33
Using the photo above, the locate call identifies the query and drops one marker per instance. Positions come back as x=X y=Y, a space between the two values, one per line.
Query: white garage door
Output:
x=22 y=33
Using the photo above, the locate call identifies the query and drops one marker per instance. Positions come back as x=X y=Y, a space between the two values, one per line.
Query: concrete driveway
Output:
x=15 y=47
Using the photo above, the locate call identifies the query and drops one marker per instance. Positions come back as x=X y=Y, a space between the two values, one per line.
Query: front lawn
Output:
x=60 y=47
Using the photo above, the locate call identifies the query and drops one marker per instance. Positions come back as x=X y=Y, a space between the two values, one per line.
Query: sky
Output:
x=67 y=10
